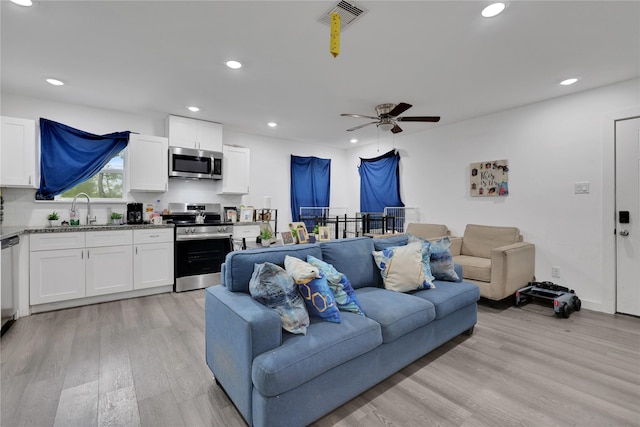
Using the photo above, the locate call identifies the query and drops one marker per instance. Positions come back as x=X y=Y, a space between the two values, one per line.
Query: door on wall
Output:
x=627 y=147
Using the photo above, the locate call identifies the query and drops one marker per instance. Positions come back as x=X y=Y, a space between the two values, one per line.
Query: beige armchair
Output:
x=494 y=258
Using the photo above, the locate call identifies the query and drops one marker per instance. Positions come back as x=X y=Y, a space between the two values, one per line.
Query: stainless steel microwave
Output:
x=195 y=164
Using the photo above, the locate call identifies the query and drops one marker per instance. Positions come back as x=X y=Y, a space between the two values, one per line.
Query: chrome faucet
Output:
x=90 y=219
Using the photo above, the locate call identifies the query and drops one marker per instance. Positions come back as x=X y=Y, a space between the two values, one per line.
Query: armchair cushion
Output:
x=475 y=268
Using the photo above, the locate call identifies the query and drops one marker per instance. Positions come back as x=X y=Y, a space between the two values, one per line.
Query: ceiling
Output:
x=155 y=58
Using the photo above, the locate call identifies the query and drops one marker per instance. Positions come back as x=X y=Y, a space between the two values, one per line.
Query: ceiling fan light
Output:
x=385 y=126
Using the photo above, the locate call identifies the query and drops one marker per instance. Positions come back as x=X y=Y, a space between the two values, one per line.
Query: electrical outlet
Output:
x=555 y=272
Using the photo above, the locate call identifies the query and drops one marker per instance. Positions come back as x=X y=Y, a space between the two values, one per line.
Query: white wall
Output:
x=550 y=146
x=270 y=159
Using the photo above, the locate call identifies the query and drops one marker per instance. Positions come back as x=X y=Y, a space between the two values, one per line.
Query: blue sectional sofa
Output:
x=280 y=379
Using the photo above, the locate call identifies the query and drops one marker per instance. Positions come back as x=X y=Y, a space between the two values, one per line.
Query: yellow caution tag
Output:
x=334 y=45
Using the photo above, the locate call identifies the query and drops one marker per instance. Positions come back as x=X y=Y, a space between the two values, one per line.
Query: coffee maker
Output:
x=134 y=213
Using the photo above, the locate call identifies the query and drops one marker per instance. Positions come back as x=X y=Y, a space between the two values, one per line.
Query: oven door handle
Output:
x=183 y=238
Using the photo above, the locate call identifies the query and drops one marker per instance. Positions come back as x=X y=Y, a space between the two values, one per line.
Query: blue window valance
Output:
x=70 y=156
x=310 y=183
x=380 y=182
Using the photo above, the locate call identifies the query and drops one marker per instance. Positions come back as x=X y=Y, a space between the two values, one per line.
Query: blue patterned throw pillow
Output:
x=441 y=260
x=271 y=286
x=319 y=300
x=426 y=255
x=340 y=286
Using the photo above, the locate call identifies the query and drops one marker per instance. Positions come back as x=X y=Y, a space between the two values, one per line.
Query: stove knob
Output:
x=193 y=229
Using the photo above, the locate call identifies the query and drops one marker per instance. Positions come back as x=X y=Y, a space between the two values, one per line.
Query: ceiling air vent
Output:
x=348 y=12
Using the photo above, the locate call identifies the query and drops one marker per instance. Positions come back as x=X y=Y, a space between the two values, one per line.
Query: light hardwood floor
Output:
x=141 y=362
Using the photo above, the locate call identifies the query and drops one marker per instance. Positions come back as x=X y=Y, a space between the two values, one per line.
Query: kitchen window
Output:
x=108 y=184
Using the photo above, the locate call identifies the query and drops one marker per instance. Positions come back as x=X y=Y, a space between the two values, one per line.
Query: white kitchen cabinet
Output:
x=18 y=153
x=192 y=133
x=148 y=163
x=152 y=258
x=65 y=266
x=109 y=264
x=236 y=163
x=56 y=267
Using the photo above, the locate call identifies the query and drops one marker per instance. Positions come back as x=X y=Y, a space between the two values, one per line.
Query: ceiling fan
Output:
x=388 y=117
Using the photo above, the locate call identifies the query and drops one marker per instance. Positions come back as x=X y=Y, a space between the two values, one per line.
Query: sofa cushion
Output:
x=401 y=267
x=449 y=297
x=302 y=358
x=442 y=267
x=352 y=257
x=479 y=240
x=238 y=266
x=397 y=313
x=271 y=286
x=474 y=268
x=343 y=292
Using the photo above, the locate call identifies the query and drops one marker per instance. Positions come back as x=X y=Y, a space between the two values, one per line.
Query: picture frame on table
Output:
x=287 y=238
x=303 y=237
x=230 y=214
x=324 y=234
x=246 y=214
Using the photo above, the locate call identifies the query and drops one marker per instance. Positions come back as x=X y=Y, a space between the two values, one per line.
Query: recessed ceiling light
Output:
x=493 y=10
x=272 y=124
x=569 y=82
x=234 y=65
x=23 y=2
x=194 y=109
x=353 y=140
x=55 y=82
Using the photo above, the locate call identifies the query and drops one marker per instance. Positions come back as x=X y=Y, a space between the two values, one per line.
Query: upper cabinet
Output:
x=18 y=153
x=235 y=170
x=192 y=133
x=148 y=161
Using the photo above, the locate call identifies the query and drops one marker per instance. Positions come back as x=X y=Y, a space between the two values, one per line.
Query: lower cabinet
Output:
x=109 y=270
x=56 y=275
x=66 y=266
x=152 y=258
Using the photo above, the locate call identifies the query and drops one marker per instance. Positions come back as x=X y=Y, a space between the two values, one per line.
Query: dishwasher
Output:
x=9 y=286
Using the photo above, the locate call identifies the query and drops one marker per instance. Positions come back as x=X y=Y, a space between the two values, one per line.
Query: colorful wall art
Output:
x=489 y=179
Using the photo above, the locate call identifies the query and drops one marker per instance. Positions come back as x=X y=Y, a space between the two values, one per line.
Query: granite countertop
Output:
x=7 y=232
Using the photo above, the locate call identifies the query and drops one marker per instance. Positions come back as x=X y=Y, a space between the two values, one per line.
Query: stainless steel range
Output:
x=202 y=241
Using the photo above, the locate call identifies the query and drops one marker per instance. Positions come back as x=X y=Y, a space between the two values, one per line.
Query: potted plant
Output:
x=265 y=236
x=54 y=219
x=116 y=218
x=314 y=234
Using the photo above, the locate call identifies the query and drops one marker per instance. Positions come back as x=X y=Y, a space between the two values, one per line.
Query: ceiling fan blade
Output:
x=361 y=126
x=419 y=119
x=359 y=115
x=399 y=109
x=396 y=129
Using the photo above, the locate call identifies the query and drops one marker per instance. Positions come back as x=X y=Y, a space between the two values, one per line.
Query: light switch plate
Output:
x=581 y=188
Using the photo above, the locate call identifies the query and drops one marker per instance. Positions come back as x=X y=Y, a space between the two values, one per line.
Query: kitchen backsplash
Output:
x=21 y=209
